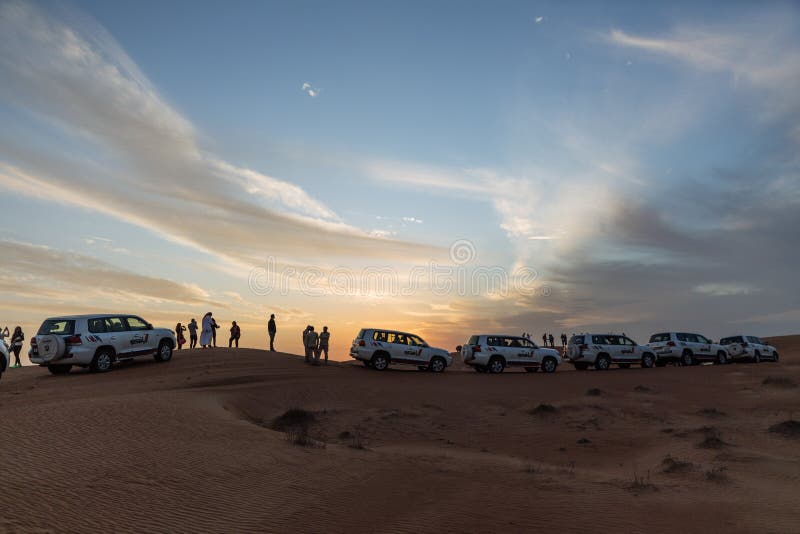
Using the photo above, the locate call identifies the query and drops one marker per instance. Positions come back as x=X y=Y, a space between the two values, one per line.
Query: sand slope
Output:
x=187 y=446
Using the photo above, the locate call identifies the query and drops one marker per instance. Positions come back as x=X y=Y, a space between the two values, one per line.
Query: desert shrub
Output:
x=673 y=465
x=292 y=419
x=779 y=382
x=787 y=429
x=543 y=409
x=717 y=474
x=594 y=392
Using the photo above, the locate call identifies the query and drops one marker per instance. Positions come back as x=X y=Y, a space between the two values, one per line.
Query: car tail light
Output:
x=670 y=343
x=33 y=342
x=476 y=348
x=74 y=340
x=361 y=343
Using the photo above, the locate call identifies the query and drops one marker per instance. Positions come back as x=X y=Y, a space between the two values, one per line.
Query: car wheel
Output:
x=624 y=365
x=722 y=358
x=496 y=365
x=757 y=357
x=582 y=366
x=686 y=358
x=648 y=360
x=103 y=361
x=531 y=369
x=164 y=353
x=438 y=365
x=380 y=362
x=59 y=369
x=549 y=365
x=602 y=363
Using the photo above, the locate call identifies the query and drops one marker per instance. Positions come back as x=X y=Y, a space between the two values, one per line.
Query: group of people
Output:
x=15 y=346
x=316 y=344
x=208 y=334
x=548 y=339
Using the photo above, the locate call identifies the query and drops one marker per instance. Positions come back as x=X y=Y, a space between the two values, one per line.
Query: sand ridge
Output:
x=191 y=446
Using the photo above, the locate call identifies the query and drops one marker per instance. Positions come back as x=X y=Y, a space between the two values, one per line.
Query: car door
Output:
x=399 y=349
x=756 y=344
x=523 y=351
x=628 y=350
x=703 y=349
x=418 y=349
x=140 y=337
x=118 y=335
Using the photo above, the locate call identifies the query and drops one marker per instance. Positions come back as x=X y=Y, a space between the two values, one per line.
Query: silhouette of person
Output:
x=272 y=330
x=552 y=341
x=563 y=340
x=305 y=342
x=16 y=344
x=214 y=327
x=324 y=339
x=179 y=330
x=544 y=340
x=312 y=345
x=192 y=334
x=207 y=333
x=236 y=333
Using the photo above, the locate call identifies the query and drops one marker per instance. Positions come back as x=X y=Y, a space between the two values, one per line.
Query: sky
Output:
x=444 y=168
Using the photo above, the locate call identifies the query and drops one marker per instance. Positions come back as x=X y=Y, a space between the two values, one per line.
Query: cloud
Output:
x=310 y=90
x=724 y=290
x=412 y=220
x=137 y=159
x=539 y=20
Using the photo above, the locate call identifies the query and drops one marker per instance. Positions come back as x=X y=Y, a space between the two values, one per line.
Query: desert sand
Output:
x=204 y=443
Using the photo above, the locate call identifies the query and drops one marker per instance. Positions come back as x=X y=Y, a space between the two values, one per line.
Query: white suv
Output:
x=97 y=341
x=601 y=350
x=686 y=349
x=749 y=347
x=378 y=348
x=493 y=353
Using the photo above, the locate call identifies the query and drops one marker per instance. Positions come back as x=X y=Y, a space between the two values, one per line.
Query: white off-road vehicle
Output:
x=749 y=348
x=97 y=341
x=601 y=350
x=686 y=349
x=492 y=353
x=378 y=348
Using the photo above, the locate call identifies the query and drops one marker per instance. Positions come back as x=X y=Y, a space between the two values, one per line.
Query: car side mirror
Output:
x=149 y=326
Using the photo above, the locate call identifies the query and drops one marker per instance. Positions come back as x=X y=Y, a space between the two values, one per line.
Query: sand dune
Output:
x=200 y=444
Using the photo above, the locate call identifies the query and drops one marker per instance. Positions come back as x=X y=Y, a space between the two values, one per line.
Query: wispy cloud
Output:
x=141 y=160
x=310 y=90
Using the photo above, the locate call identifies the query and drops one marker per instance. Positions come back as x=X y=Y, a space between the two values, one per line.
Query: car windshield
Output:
x=415 y=340
x=60 y=327
x=659 y=338
x=730 y=340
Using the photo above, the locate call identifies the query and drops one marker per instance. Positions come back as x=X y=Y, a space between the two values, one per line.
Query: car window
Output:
x=473 y=340
x=682 y=337
x=361 y=334
x=512 y=342
x=599 y=340
x=659 y=338
x=379 y=336
x=753 y=339
x=613 y=340
x=136 y=323
x=97 y=325
x=415 y=340
x=576 y=340
x=627 y=341
x=60 y=327
x=527 y=343
x=730 y=340
x=397 y=339
x=115 y=324
x=494 y=341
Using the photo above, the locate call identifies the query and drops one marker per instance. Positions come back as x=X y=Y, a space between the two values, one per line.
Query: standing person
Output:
x=563 y=340
x=205 y=335
x=552 y=341
x=236 y=332
x=312 y=341
x=179 y=330
x=192 y=333
x=324 y=340
x=16 y=344
x=214 y=327
x=271 y=330
x=305 y=338
x=544 y=339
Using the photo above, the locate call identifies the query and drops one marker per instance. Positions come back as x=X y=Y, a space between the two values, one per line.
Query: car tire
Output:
x=602 y=363
x=103 y=361
x=549 y=365
x=757 y=357
x=531 y=369
x=59 y=369
x=648 y=360
x=164 y=352
x=496 y=365
x=581 y=366
x=437 y=365
x=380 y=361
x=624 y=365
x=687 y=358
x=722 y=358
